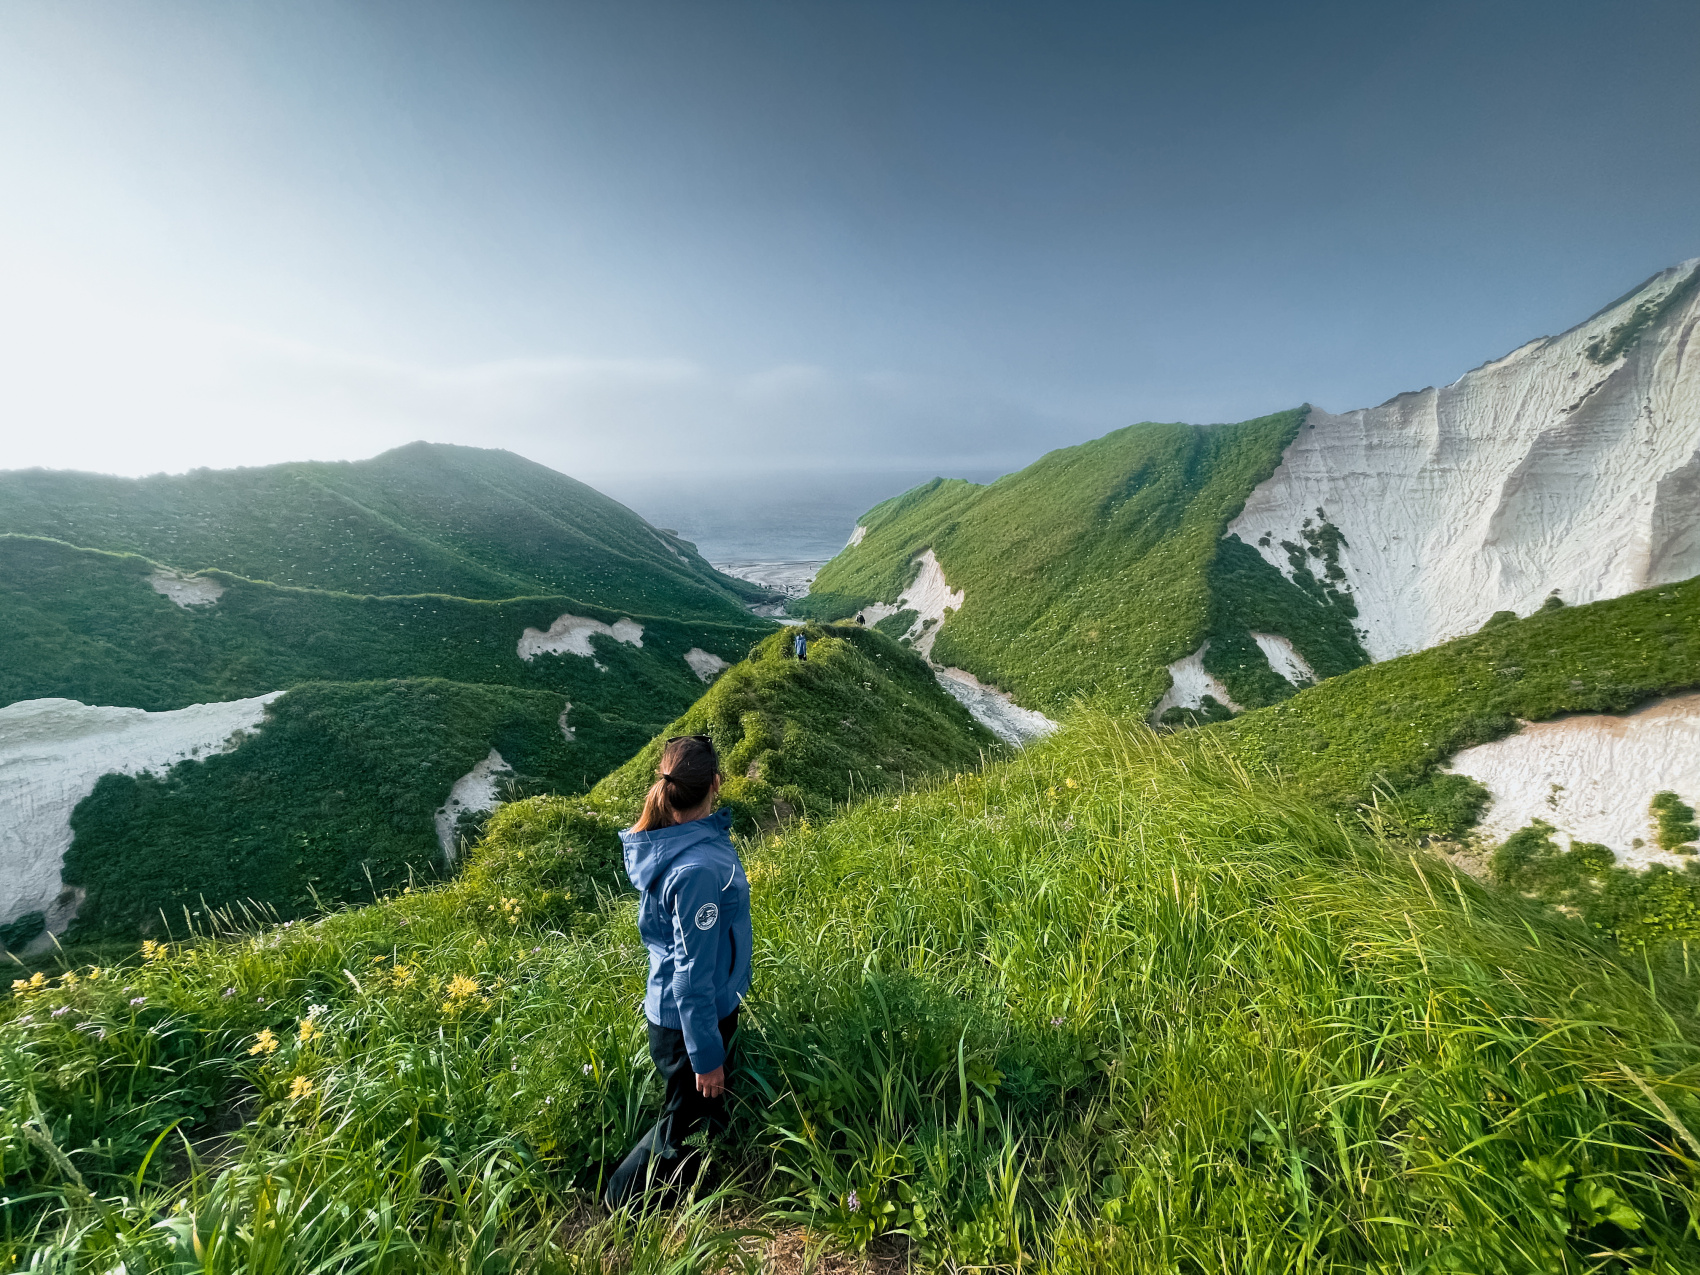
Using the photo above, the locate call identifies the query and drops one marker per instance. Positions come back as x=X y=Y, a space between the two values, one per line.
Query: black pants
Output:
x=660 y=1156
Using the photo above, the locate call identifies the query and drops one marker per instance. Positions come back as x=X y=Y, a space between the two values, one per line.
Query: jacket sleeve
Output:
x=696 y=948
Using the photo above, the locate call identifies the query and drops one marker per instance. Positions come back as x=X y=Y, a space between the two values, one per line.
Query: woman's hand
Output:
x=713 y=1084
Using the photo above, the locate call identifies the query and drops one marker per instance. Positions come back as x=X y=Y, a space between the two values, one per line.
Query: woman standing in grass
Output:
x=694 y=916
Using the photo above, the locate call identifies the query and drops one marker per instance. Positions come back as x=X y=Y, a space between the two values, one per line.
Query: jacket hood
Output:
x=650 y=854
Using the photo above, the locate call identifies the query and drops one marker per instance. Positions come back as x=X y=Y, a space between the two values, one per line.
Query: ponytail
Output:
x=685 y=775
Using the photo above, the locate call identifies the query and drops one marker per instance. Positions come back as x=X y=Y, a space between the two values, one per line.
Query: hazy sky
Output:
x=710 y=234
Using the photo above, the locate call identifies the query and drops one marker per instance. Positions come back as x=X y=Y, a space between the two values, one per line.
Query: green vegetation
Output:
x=330 y=802
x=1607 y=348
x=425 y=518
x=1675 y=821
x=85 y=625
x=861 y=715
x=1637 y=909
x=1388 y=726
x=1111 y=1005
x=342 y=781
x=1093 y=569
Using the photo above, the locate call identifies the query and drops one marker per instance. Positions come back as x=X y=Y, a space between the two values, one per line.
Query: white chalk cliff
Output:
x=1573 y=463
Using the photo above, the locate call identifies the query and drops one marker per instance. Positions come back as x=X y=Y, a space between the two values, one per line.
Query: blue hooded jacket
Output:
x=694 y=916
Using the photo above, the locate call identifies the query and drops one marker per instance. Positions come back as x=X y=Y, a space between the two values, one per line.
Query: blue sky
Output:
x=722 y=236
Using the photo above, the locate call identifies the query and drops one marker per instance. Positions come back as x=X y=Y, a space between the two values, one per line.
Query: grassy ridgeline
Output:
x=861 y=715
x=84 y=624
x=1091 y=570
x=1390 y=725
x=331 y=801
x=1110 y=1005
x=425 y=518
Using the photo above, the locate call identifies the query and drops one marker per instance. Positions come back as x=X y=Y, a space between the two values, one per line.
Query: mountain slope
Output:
x=862 y=715
x=1094 y=568
x=425 y=518
x=243 y=786
x=1571 y=464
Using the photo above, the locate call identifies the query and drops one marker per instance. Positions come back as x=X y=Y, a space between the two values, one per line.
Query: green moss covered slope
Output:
x=425 y=518
x=330 y=801
x=1091 y=570
x=861 y=715
x=1393 y=723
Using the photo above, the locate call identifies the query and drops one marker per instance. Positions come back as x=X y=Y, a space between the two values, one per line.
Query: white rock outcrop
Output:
x=52 y=751
x=1189 y=683
x=1284 y=658
x=571 y=634
x=1592 y=775
x=186 y=591
x=856 y=536
x=476 y=792
x=705 y=664
x=1546 y=469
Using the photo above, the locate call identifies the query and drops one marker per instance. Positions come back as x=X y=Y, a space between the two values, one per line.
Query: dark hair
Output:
x=687 y=771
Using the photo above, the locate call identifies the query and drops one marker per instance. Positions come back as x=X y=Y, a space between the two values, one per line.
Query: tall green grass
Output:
x=1094 y=568
x=1114 y=1004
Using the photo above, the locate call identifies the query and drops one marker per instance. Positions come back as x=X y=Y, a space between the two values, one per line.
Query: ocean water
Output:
x=775 y=517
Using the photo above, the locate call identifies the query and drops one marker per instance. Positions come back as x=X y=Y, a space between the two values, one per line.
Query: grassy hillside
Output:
x=425 y=518
x=1091 y=570
x=1392 y=723
x=1107 y=1006
x=86 y=625
x=861 y=715
x=329 y=802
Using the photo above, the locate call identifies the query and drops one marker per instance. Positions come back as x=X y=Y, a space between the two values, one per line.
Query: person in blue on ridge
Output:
x=694 y=916
x=800 y=646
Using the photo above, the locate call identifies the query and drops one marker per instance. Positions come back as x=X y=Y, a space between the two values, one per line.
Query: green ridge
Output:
x=1392 y=724
x=425 y=518
x=1091 y=570
x=861 y=715
x=1107 y=1006
x=330 y=801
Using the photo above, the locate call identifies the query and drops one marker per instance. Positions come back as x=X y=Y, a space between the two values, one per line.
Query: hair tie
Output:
x=667 y=774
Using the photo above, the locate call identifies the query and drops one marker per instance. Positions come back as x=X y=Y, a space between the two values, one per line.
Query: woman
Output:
x=694 y=916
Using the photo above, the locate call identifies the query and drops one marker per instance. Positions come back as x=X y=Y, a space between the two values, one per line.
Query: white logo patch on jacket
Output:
x=707 y=915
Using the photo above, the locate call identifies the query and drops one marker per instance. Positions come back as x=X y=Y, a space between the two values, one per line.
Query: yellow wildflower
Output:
x=1051 y=793
x=460 y=987
x=403 y=975
x=152 y=951
x=265 y=1043
x=34 y=983
x=69 y=979
x=309 y=1029
x=300 y=1088
x=1071 y=783
x=96 y=974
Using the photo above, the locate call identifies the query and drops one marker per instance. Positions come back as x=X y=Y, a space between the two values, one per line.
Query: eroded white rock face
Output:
x=52 y=751
x=993 y=709
x=856 y=536
x=929 y=596
x=571 y=634
x=1284 y=658
x=186 y=591
x=475 y=791
x=1542 y=470
x=1592 y=776
x=705 y=664
x=1189 y=683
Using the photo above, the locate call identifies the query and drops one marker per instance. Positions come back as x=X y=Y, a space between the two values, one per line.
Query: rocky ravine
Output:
x=1573 y=463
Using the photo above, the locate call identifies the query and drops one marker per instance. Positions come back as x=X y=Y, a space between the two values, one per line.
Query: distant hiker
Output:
x=694 y=917
x=860 y=619
x=800 y=646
